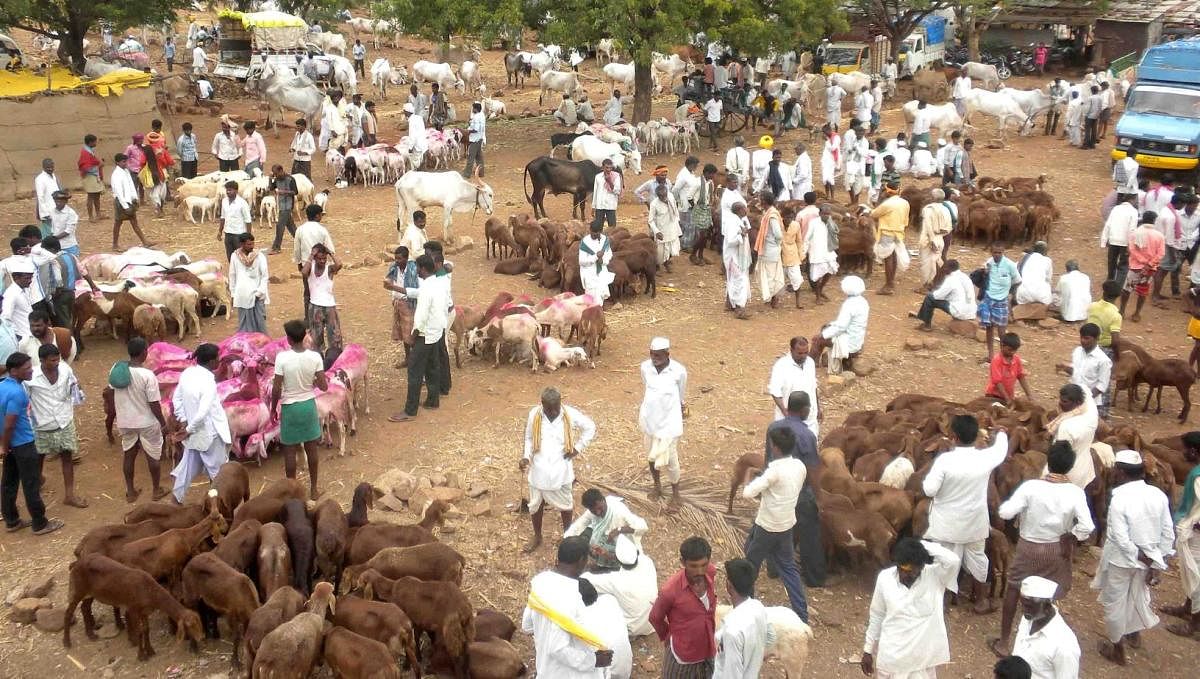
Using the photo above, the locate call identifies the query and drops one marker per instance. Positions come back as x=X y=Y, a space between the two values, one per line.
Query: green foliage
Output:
x=896 y=18
x=440 y=21
x=322 y=12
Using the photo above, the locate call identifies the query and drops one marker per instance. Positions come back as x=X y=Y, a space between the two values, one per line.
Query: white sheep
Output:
x=554 y=354
x=268 y=210
x=792 y=635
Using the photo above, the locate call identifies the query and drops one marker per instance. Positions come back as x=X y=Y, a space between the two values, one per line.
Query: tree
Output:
x=974 y=17
x=440 y=21
x=70 y=20
x=897 y=18
x=753 y=27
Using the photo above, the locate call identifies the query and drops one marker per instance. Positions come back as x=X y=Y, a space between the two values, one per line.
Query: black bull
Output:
x=576 y=177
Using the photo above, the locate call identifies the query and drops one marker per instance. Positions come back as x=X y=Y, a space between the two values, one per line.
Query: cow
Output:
x=286 y=91
x=457 y=54
x=942 y=116
x=1032 y=102
x=575 y=177
x=672 y=67
x=853 y=82
x=588 y=147
x=330 y=42
x=375 y=29
x=469 y=72
x=448 y=190
x=543 y=62
x=999 y=106
x=175 y=88
x=796 y=89
x=563 y=139
x=984 y=74
x=514 y=66
x=381 y=76
x=558 y=81
x=619 y=73
x=605 y=49
x=442 y=74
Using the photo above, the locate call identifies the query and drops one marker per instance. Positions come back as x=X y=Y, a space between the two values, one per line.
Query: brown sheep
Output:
x=640 y=262
x=107 y=539
x=497 y=238
x=96 y=577
x=364 y=499
x=293 y=649
x=274 y=558
x=1159 y=373
x=915 y=402
x=511 y=267
x=302 y=543
x=999 y=555
x=745 y=465
x=148 y=322
x=233 y=488
x=268 y=505
x=163 y=556
x=490 y=623
x=853 y=534
x=373 y=537
x=210 y=581
x=383 y=622
x=283 y=605
x=438 y=609
x=592 y=329
x=856 y=243
x=168 y=514
x=332 y=531
x=893 y=504
x=852 y=441
x=353 y=655
x=239 y=548
x=490 y=658
x=433 y=561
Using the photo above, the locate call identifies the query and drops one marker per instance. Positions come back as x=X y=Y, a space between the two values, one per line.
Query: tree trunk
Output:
x=973 y=31
x=643 y=85
x=72 y=44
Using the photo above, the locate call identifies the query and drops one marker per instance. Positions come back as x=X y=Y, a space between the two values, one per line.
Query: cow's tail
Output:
x=525 y=185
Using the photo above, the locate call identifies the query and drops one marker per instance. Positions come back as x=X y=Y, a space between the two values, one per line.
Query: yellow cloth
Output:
x=265 y=19
x=569 y=626
x=21 y=83
x=1194 y=328
x=891 y=218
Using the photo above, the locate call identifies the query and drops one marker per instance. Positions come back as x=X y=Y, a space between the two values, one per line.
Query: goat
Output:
x=223 y=591
x=438 y=609
x=382 y=621
x=293 y=649
x=431 y=561
x=332 y=530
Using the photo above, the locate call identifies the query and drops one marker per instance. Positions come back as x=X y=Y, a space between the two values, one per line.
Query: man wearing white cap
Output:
x=903 y=156
x=1139 y=538
x=923 y=165
x=1053 y=514
x=555 y=434
x=16 y=306
x=606 y=518
x=1044 y=640
x=939 y=159
x=416 y=137
x=661 y=414
x=634 y=584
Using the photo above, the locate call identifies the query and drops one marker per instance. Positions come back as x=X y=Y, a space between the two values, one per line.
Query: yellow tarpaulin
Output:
x=264 y=19
x=20 y=83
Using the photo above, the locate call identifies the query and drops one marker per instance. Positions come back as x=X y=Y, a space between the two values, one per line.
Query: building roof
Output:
x=1069 y=12
x=1174 y=13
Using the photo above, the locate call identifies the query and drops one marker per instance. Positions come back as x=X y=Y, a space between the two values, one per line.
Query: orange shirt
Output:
x=1006 y=372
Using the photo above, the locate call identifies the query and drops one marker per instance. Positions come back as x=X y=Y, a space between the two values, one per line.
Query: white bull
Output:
x=589 y=147
x=565 y=82
x=447 y=190
x=470 y=75
x=381 y=76
x=672 y=67
x=330 y=42
x=796 y=89
x=374 y=28
x=606 y=49
x=1000 y=107
x=442 y=74
x=942 y=116
x=543 y=62
x=619 y=73
x=853 y=82
x=983 y=74
x=282 y=90
x=1032 y=102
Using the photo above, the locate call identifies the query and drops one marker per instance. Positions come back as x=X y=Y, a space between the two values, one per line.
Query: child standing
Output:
x=1006 y=370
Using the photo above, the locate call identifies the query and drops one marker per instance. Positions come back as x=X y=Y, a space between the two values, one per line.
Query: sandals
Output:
x=23 y=523
x=51 y=526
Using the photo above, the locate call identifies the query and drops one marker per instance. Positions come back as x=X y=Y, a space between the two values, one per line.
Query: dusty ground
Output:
x=477 y=432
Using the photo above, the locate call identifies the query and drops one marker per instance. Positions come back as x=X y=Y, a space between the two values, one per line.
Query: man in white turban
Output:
x=661 y=414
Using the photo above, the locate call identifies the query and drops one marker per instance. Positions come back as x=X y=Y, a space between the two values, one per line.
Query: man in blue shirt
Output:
x=188 y=160
x=807 y=530
x=22 y=465
x=1002 y=276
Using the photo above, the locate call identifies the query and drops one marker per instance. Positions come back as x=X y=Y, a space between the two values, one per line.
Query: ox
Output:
x=330 y=42
x=559 y=176
x=1000 y=107
x=543 y=62
x=285 y=91
x=985 y=74
x=672 y=67
x=605 y=49
x=942 y=116
x=796 y=89
x=448 y=190
x=381 y=76
x=1032 y=102
x=588 y=147
x=619 y=73
x=442 y=74
x=469 y=72
x=565 y=82
x=374 y=29
x=853 y=82
x=514 y=66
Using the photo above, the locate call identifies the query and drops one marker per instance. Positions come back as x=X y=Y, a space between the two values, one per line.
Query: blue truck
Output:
x=1161 y=123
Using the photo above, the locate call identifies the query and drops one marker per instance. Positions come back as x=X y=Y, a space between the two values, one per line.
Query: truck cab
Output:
x=846 y=57
x=1160 y=127
x=925 y=47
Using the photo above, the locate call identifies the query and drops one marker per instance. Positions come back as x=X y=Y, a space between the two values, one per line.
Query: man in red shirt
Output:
x=684 y=614
x=1006 y=370
x=1146 y=250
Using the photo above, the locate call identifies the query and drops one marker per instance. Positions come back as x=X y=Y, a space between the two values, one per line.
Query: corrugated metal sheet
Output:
x=1177 y=13
x=1070 y=12
x=1183 y=15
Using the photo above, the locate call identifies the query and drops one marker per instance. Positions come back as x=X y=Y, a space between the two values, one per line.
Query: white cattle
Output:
x=941 y=116
x=469 y=73
x=1032 y=102
x=1000 y=107
x=342 y=74
x=330 y=42
x=565 y=82
x=381 y=76
x=543 y=62
x=555 y=51
x=492 y=107
x=374 y=28
x=853 y=82
x=448 y=190
x=589 y=147
x=95 y=67
x=399 y=75
x=618 y=73
x=606 y=49
x=672 y=67
x=442 y=74
x=286 y=91
x=796 y=89
x=984 y=74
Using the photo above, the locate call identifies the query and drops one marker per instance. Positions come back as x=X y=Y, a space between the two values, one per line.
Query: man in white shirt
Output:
x=602 y=613
x=1053 y=515
x=906 y=632
x=923 y=164
x=795 y=371
x=303 y=146
x=686 y=188
x=1121 y=222
x=959 y=93
x=1139 y=537
x=430 y=320
x=902 y=156
x=1076 y=424
x=1170 y=225
x=737 y=161
x=735 y=230
x=606 y=518
x=863 y=102
x=226 y=147
x=1037 y=275
x=1074 y=293
x=606 y=192
x=957 y=484
x=1159 y=197
x=44 y=186
x=1043 y=638
x=937 y=224
x=309 y=234
x=745 y=632
x=125 y=202
x=554 y=616
x=1090 y=367
x=64 y=222
x=1125 y=175
x=359 y=52
x=713 y=111
x=16 y=306
x=661 y=415
x=771 y=535
x=920 y=124
x=476 y=139
x=52 y=394
x=414 y=237
x=235 y=219
x=334 y=125
x=595 y=254
x=199 y=67
x=206 y=436
x=876 y=105
x=955 y=295
x=248 y=278
x=140 y=422
x=802 y=172
x=555 y=434
x=634 y=584
x=833 y=103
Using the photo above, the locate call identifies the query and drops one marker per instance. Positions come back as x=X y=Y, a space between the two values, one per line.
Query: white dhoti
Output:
x=667 y=249
x=194 y=461
x=828 y=170
x=416 y=159
x=558 y=498
x=795 y=276
x=596 y=284
x=889 y=244
x=972 y=557
x=1125 y=597
x=1034 y=292
x=1187 y=547
x=663 y=452
x=770 y=278
x=931 y=263
x=737 y=279
x=819 y=270
x=928 y=673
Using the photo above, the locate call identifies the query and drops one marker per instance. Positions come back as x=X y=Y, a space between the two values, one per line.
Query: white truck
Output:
x=250 y=39
x=925 y=47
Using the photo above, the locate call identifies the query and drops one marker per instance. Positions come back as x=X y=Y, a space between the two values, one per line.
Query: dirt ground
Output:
x=477 y=431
